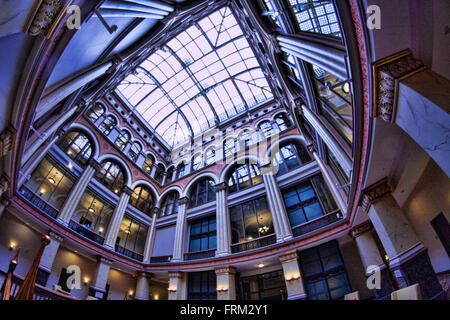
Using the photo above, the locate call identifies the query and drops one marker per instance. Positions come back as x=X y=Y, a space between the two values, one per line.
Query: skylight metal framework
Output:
x=205 y=75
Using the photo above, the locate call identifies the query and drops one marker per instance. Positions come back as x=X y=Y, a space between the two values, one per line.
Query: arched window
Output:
x=159 y=173
x=202 y=192
x=210 y=156
x=282 y=121
x=95 y=112
x=244 y=140
x=169 y=175
x=197 y=162
x=244 y=176
x=170 y=204
x=107 y=125
x=180 y=170
x=122 y=139
x=142 y=199
x=134 y=151
x=148 y=163
x=77 y=146
x=229 y=147
x=111 y=176
x=266 y=128
x=291 y=156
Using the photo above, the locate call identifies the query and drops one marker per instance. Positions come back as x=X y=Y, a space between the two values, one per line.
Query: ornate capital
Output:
x=288 y=257
x=220 y=187
x=104 y=260
x=55 y=236
x=127 y=190
x=144 y=274
x=44 y=15
x=225 y=270
x=387 y=74
x=183 y=200
x=94 y=163
x=7 y=140
x=155 y=211
x=374 y=192
x=176 y=275
x=4 y=184
x=360 y=229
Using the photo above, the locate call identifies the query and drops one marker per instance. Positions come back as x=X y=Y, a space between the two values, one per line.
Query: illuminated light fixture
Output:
x=250 y=238
x=116 y=190
x=42 y=191
x=86 y=281
x=130 y=292
x=70 y=165
x=91 y=209
x=263 y=229
x=12 y=245
x=221 y=290
x=156 y=297
x=346 y=87
x=386 y=257
x=52 y=179
x=276 y=14
x=293 y=278
x=172 y=290
x=261 y=265
x=101 y=229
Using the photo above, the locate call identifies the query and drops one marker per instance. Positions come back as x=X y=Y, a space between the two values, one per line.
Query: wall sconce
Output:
x=130 y=293
x=172 y=290
x=293 y=278
x=12 y=245
x=85 y=281
x=156 y=297
x=261 y=265
x=222 y=290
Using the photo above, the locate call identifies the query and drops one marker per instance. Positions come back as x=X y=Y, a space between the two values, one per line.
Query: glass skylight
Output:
x=206 y=74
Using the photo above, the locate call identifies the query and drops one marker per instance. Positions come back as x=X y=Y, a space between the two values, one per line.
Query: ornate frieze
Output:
x=387 y=74
x=220 y=187
x=7 y=140
x=127 y=190
x=183 y=200
x=374 y=192
x=225 y=270
x=360 y=229
x=288 y=257
x=45 y=14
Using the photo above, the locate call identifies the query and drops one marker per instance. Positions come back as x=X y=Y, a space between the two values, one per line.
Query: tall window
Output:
x=202 y=285
x=291 y=156
x=197 y=162
x=51 y=182
x=122 y=139
x=77 y=146
x=324 y=272
x=250 y=220
x=203 y=234
x=243 y=177
x=111 y=176
x=148 y=163
x=308 y=201
x=335 y=101
x=169 y=175
x=244 y=140
x=181 y=170
x=132 y=235
x=142 y=199
x=170 y=204
x=93 y=213
x=337 y=169
x=107 y=125
x=266 y=128
x=282 y=121
x=210 y=157
x=266 y=286
x=95 y=112
x=229 y=147
x=134 y=151
x=202 y=192
x=159 y=173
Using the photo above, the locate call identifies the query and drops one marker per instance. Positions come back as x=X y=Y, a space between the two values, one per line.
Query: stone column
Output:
x=180 y=231
x=408 y=258
x=153 y=171
x=280 y=218
x=149 y=242
x=177 y=285
x=226 y=284
x=50 y=251
x=4 y=203
x=292 y=276
x=371 y=257
x=117 y=217
x=74 y=197
x=4 y=185
x=222 y=221
x=98 y=289
x=143 y=286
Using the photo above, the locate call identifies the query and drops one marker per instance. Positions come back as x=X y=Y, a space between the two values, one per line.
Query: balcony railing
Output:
x=200 y=254
x=254 y=244
x=85 y=232
x=129 y=253
x=160 y=259
x=37 y=202
x=40 y=292
x=317 y=223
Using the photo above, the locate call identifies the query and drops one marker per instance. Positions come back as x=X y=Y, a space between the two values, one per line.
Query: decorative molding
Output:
x=183 y=200
x=360 y=229
x=374 y=192
x=387 y=74
x=4 y=184
x=288 y=257
x=176 y=275
x=144 y=274
x=127 y=190
x=104 y=260
x=46 y=13
x=220 y=187
x=94 y=163
x=54 y=236
x=225 y=270
x=7 y=140
x=155 y=211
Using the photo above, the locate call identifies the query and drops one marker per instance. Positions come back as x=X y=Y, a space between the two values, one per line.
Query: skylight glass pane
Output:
x=205 y=74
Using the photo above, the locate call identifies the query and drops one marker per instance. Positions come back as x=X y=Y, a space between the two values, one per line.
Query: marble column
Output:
x=143 y=286
x=98 y=289
x=408 y=258
x=371 y=257
x=223 y=228
x=280 y=218
x=150 y=241
x=75 y=194
x=292 y=276
x=177 y=285
x=180 y=231
x=153 y=171
x=117 y=217
x=48 y=257
x=226 y=284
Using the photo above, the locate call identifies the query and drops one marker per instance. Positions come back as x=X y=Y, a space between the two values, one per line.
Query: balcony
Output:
x=129 y=253
x=85 y=232
x=161 y=259
x=254 y=244
x=316 y=224
x=39 y=204
x=200 y=254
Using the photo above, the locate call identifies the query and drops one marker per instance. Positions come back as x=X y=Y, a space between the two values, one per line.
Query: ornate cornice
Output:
x=225 y=270
x=374 y=192
x=288 y=257
x=387 y=74
x=360 y=229
x=7 y=140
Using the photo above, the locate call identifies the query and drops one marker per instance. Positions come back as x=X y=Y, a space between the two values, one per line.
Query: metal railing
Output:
x=129 y=253
x=85 y=232
x=254 y=244
x=318 y=223
x=36 y=201
x=161 y=259
x=200 y=254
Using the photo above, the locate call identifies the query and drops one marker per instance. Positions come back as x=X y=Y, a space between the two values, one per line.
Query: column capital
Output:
x=360 y=229
x=288 y=257
x=387 y=74
x=144 y=274
x=94 y=163
x=183 y=200
x=104 y=260
x=54 y=236
x=127 y=190
x=176 y=274
x=155 y=210
x=7 y=140
x=374 y=192
x=225 y=270
x=220 y=186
